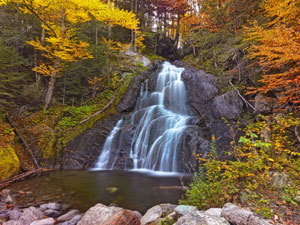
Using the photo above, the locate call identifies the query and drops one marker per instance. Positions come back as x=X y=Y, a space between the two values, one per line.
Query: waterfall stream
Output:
x=158 y=122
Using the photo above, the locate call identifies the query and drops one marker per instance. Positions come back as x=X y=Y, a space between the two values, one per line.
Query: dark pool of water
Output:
x=83 y=189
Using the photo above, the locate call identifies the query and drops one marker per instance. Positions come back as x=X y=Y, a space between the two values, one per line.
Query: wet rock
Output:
x=83 y=151
x=128 y=101
x=214 y=212
x=52 y=213
x=228 y=105
x=14 y=214
x=48 y=221
x=239 y=216
x=52 y=205
x=73 y=221
x=98 y=214
x=185 y=209
x=123 y=217
x=154 y=214
x=68 y=216
x=201 y=218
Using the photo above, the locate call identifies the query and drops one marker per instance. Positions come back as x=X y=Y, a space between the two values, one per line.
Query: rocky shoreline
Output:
x=53 y=213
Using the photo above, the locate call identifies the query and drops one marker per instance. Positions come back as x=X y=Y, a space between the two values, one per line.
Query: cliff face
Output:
x=206 y=106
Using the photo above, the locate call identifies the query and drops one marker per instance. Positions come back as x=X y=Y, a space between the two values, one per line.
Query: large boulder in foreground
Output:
x=239 y=216
x=201 y=218
x=98 y=214
x=123 y=217
x=156 y=213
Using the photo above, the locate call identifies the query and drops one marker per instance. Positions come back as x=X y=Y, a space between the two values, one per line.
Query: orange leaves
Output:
x=278 y=50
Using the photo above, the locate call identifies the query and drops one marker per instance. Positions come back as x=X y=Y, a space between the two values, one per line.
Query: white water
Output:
x=160 y=119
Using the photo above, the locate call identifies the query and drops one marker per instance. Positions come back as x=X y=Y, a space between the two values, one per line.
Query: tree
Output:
x=59 y=18
x=277 y=49
x=11 y=77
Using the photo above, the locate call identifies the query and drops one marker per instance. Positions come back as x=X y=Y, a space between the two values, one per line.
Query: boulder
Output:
x=48 y=221
x=28 y=216
x=52 y=205
x=214 y=212
x=14 y=214
x=200 y=218
x=185 y=209
x=279 y=180
x=228 y=105
x=4 y=194
x=154 y=214
x=73 y=221
x=262 y=104
x=98 y=214
x=201 y=90
x=138 y=58
x=123 y=217
x=52 y=213
x=239 y=216
x=68 y=216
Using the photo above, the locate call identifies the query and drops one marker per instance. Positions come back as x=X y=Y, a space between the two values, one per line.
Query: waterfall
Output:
x=159 y=120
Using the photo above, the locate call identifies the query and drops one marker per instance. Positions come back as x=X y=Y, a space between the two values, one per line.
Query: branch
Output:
x=102 y=110
x=247 y=103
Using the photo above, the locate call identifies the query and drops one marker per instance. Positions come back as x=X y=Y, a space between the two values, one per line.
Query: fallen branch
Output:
x=21 y=177
x=247 y=103
x=102 y=110
x=26 y=146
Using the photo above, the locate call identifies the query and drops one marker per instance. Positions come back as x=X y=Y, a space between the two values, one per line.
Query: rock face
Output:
x=206 y=106
x=84 y=149
x=166 y=48
x=128 y=101
x=228 y=105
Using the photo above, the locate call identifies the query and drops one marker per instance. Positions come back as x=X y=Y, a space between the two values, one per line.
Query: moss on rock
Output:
x=9 y=161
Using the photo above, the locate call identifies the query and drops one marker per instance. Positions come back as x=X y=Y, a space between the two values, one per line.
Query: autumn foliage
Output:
x=277 y=47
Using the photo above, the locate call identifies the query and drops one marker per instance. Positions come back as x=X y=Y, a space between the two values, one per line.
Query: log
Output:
x=100 y=111
x=21 y=177
x=26 y=146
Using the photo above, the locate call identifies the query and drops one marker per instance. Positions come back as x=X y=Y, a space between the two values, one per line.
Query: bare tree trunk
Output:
x=51 y=86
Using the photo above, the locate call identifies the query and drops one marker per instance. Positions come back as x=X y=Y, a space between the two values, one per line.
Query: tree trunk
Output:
x=51 y=86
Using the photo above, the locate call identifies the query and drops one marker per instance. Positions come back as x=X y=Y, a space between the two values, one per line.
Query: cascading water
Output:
x=159 y=121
